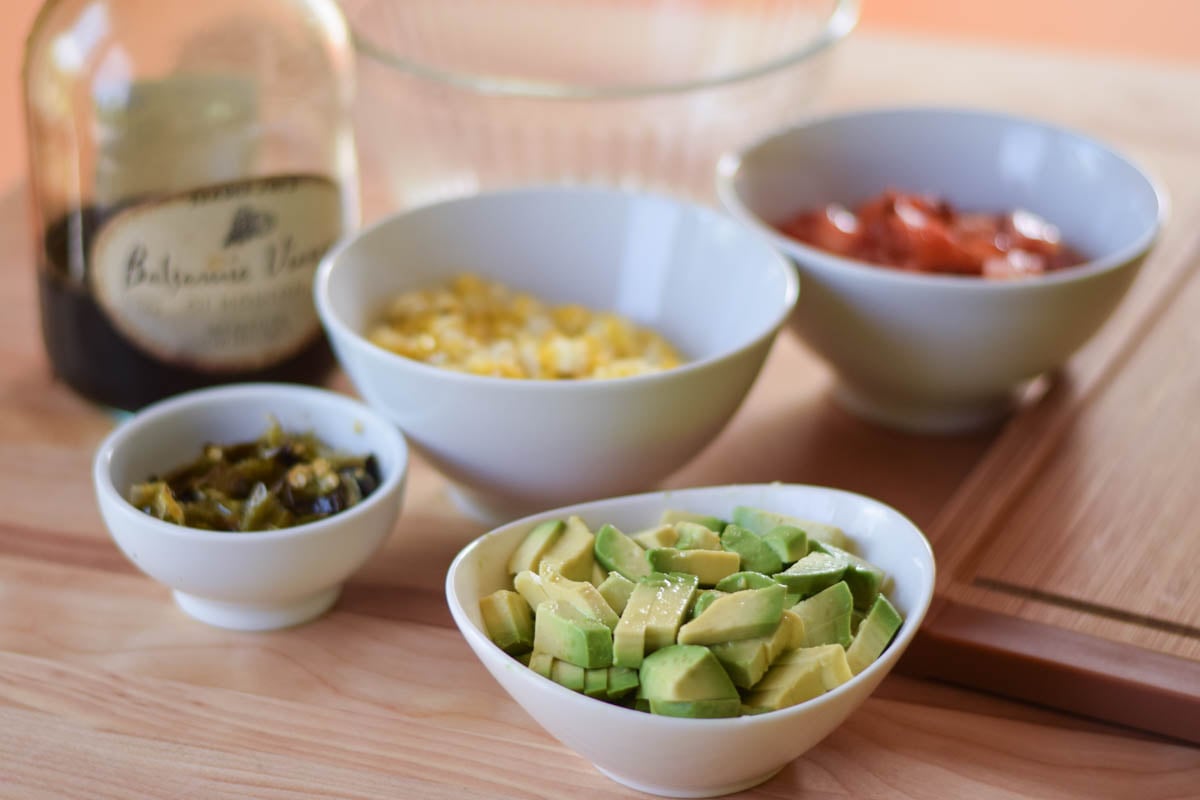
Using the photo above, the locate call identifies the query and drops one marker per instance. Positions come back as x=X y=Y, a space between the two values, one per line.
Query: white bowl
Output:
x=713 y=288
x=938 y=352
x=701 y=757
x=249 y=581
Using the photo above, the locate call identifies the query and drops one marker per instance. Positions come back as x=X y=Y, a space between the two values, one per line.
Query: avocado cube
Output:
x=813 y=573
x=684 y=672
x=756 y=555
x=565 y=633
x=704 y=599
x=864 y=578
x=595 y=682
x=745 y=661
x=658 y=536
x=572 y=553
x=744 y=580
x=529 y=553
x=709 y=566
x=618 y=553
x=672 y=516
x=874 y=634
x=585 y=597
x=826 y=616
x=740 y=615
x=694 y=536
x=800 y=675
x=789 y=542
x=541 y=663
x=616 y=589
x=621 y=681
x=629 y=637
x=508 y=621
x=568 y=675
x=671 y=604
x=529 y=586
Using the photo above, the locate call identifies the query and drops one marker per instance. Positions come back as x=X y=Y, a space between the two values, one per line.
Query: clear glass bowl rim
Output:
x=840 y=22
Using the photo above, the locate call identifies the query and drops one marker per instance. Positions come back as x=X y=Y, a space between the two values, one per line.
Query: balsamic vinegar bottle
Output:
x=190 y=163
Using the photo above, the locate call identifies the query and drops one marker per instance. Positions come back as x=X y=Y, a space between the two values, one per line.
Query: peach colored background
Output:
x=1162 y=30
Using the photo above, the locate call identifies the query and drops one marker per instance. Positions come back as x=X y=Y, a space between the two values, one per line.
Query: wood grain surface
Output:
x=108 y=691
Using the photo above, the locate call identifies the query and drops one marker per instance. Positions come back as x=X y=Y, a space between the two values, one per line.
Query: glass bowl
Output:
x=459 y=96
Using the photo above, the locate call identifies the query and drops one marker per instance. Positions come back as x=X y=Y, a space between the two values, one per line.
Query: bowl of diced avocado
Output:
x=692 y=643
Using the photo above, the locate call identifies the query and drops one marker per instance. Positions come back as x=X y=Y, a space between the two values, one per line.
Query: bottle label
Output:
x=219 y=278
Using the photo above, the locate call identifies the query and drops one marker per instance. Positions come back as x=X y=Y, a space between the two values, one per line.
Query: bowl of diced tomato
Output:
x=948 y=257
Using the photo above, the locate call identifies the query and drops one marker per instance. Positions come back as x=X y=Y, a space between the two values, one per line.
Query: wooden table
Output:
x=107 y=690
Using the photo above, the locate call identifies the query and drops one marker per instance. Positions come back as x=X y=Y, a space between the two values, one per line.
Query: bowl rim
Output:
x=841 y=21
x=183 y=404
x=913 y=620
x=780 y=263
x=730 y=166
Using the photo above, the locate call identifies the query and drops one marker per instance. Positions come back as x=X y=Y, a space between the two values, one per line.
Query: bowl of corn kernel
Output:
x=543 y=346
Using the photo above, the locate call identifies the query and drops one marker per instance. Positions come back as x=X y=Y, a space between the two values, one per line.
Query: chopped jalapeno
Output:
x=279 y=481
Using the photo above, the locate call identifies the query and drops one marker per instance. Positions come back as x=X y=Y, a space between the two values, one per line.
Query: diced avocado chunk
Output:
x=745 y=661
x=800 y=675
x=568 y=675
x=684 y=672
x=671 y=603
x=534 y=546
x=629 y=637
x=697 y=709
x=874 y=634
x=740 y=615
x=761 y=522
x=672 y=516
x=788 y=636
x=709 y=566
x=621 y=681
x=541 y=663
x=615 y=589
x=864 y=578
x=658 y=536
x=704 y=599
x=508 y=621
x=529 y=585
x=618 y=553
x=595 y=682
x=744 y=580
x=694 y=536
x=813 y=573
x=789 y=542
x=756 y=555
x=826 y=616
x=565 y=633
x=585 y=597
x=572 y=553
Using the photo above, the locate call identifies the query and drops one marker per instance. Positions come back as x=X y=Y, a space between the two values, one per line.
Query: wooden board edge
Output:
x=1040 y=663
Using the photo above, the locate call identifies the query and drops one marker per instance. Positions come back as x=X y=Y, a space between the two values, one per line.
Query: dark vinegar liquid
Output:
x=88 y=353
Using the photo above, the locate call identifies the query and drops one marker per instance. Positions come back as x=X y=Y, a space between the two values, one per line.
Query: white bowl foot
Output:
x=713 y=791
x=257 y=616
x=917 y=417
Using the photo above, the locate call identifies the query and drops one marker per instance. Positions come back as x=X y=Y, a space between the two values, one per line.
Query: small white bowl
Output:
x=713 y=288
x=939 y=352
x=249 y=581
x=696 y=757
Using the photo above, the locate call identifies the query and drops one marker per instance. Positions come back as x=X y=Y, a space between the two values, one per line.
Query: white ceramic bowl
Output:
x=936 y=352
x=702 y=757
x=715 y=289
x=249 y=581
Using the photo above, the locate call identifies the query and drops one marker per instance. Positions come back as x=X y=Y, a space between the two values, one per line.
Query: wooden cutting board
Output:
x=1069 y=562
